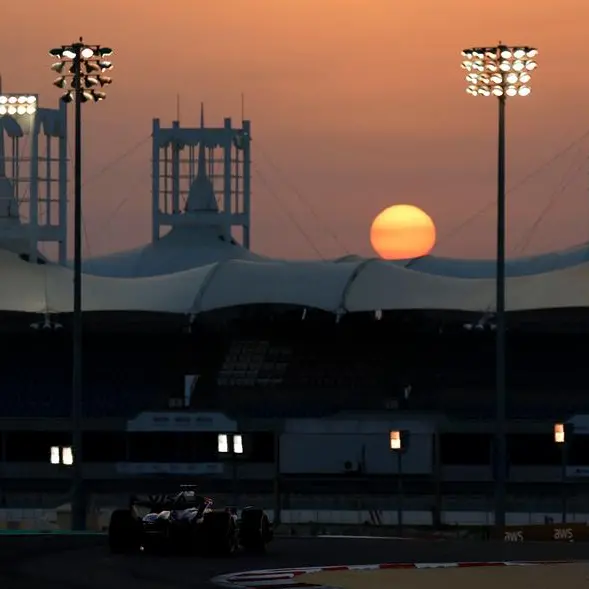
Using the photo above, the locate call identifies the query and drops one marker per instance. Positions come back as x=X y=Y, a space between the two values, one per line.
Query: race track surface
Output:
x=66 y=562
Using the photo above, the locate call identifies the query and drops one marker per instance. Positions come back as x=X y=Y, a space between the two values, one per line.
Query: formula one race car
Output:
x=186 y=522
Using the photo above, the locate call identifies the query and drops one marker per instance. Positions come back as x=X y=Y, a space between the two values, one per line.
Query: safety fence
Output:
x=56 y=519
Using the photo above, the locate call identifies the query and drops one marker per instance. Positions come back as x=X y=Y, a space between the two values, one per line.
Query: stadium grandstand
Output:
x=312 y=362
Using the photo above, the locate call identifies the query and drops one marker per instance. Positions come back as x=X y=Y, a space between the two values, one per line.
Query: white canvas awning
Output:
x=336 y=287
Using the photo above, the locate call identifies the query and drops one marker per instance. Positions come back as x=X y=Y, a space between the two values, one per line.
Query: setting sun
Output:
x=401 y=232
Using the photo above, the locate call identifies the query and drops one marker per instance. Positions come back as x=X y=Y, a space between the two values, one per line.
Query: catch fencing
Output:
x=56 y=519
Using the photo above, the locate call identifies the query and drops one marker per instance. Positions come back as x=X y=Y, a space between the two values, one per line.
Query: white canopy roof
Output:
x=485 y=268
x=346 y=286
x=183 y=248
x=521 y=266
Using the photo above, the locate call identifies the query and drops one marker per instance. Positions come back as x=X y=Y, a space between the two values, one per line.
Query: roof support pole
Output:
x=247 y=185
x=155 y=181
x=63 y=182
x=175 y=171
x=34 y=192
x=227 y=145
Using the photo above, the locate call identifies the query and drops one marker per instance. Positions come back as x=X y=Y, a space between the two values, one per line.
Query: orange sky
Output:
x=359 y=104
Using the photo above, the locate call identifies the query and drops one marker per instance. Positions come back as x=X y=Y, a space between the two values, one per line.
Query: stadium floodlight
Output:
x=79 y=66
x=18 y=104
x=85 y=62
x=59 y=66
x=499 y=71
x=502 y=71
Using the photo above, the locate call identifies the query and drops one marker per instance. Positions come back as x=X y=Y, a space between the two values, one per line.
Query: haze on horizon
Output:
x=355 y=105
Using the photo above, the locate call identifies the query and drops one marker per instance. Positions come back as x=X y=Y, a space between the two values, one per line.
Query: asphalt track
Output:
x=70 y=562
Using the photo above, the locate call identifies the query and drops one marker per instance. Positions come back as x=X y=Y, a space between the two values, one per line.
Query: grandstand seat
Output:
x=253 y=363
x=44 y=390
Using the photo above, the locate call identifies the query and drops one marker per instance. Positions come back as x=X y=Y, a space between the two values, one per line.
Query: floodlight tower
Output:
x=81 y=67
x=209 y=186
x=502 y=71
x=33 y=175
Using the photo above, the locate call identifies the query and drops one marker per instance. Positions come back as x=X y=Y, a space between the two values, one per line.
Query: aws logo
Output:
x=514 y=536
x=565 y=534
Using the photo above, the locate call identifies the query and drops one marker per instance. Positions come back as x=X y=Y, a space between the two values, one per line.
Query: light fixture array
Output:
x=81 y=67
x=18 y=104
x=499 y=71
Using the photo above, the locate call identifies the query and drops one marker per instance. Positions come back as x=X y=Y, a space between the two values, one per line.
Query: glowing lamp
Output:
x=92 y=68
x=559 y=433
x=18 y=104
x=98 y=96
x=510 y=68
x=395 y=440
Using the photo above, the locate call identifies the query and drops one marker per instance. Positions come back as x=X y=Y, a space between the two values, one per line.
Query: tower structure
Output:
x=201 y=180
x=33 y=175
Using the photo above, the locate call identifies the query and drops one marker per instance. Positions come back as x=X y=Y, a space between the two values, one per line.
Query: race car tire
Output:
x=255 y=530
x=123 y=532
x=219 y=533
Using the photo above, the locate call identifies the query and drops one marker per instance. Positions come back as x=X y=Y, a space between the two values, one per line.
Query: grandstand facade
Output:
x=313 y=396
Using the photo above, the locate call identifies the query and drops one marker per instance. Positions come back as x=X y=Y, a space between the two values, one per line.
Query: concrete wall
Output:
x=313 y=446
x=328 y=454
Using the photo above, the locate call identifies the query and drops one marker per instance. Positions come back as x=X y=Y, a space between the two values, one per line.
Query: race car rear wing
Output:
x=168 y=501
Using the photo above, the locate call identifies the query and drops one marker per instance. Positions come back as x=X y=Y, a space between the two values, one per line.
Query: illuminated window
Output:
x=237 y=444
x=61 y=455
x=223 y=444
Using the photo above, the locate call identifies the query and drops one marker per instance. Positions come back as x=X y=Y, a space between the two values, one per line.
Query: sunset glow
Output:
x=347 y=98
